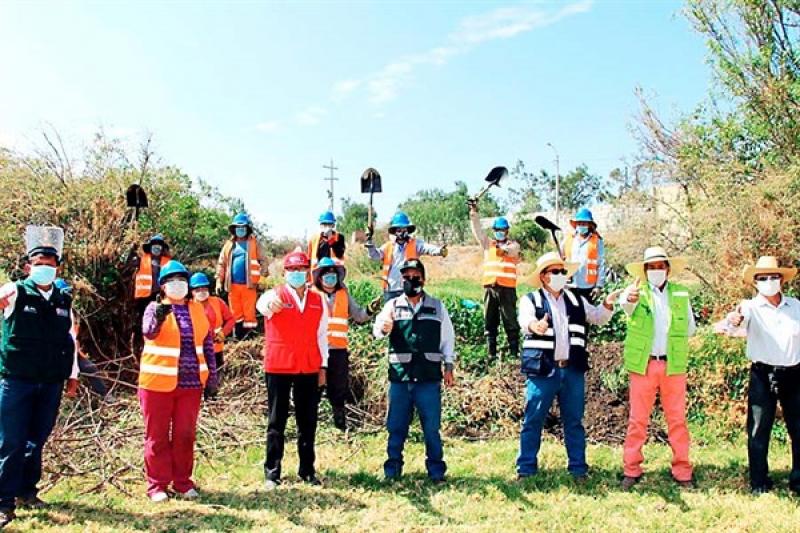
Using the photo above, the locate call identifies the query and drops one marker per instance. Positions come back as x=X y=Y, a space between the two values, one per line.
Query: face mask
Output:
x=296 y=279
x=583 y=230
x=557 y=282
x=156 y=249
x=176 y=289
x=42 y=274
x=656 y=277
x=201 y=296
x=500 y=235
x=412 y=287
x=769 y=287
x=330 y=279
x=241 y=232
x=326 y=230
x=401 y=236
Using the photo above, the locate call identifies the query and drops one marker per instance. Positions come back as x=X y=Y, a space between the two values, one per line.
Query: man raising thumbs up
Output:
x=554 y=359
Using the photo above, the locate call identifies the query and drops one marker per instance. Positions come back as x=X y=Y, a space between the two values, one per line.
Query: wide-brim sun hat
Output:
x=767 y=264
x=677 y=264
x=551 y=259
x=326 y=263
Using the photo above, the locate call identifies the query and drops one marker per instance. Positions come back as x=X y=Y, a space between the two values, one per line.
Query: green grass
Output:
x=481 y=494
x=463 y=288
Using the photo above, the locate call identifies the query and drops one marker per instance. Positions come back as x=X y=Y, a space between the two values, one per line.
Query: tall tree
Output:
x=577 y=188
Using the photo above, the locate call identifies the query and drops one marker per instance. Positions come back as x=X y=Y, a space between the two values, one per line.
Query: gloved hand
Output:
x=219 y=289
x=210 y=393
x=219 y=335
x=375 y=305
x=72 y=388
x=472 y=203
x=369 y=235
x=163 y=311
x=595 y=294
x=443 y=251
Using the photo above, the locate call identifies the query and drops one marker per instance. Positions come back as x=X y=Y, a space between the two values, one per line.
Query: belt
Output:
x=658 y=357
x=562 y=363
x=768 y=367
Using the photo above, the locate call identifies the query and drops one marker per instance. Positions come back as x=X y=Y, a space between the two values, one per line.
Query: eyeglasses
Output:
x=412 y=278
x=769 y=277
x=562 y=271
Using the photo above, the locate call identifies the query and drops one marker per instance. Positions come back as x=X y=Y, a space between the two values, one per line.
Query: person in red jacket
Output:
x=295 y=363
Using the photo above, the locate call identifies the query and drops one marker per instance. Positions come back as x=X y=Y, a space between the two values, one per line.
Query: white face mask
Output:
x=201 y=296
x=176 y=289
x=43 y=275
x=557 y=282
x=769 y=287
x=656 y=277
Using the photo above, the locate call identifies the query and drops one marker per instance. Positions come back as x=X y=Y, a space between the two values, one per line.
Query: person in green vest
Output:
x=660 y=322
x=37 y=356
x=421 y=342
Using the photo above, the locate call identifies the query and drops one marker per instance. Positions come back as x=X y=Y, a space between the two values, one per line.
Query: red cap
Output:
x=297 y=258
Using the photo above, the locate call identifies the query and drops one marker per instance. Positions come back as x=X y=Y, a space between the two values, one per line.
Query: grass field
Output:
x=481 y=495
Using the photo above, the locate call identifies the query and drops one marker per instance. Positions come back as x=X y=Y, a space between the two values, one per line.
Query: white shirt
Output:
x=447 y=342
x=662 y=317
x=558 y=319
x=322 y=331
x=10 y=290
x=773 y=333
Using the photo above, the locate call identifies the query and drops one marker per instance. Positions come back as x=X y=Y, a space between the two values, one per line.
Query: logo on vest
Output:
x=30 y=309
x=62 y=312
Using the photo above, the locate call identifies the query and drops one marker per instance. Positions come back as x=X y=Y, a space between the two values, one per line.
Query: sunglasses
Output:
x=769 y=277
x=412 y=278
x=557 y=271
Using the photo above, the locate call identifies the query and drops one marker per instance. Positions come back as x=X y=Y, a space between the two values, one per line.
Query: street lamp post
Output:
x=558 y=178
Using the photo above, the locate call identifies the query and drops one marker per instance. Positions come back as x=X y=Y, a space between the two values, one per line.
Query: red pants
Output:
x=242 y=302
x=643 y=391
x=170 y=424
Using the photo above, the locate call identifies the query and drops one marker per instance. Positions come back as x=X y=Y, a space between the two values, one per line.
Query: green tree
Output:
x=354 y=217
x=577 y=188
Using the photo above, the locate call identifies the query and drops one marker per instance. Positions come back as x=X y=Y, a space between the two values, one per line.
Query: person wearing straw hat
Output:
x=772 y=322
x=660 y=322
x=37 y=356
x=554 y=360
x=585 y=247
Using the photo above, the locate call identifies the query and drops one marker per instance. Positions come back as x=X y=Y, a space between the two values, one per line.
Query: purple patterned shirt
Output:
x=188 y=367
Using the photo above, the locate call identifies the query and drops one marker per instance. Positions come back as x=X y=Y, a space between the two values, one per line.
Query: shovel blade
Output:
x=371 y=181
x=546 y=223
x=135 y=196
x=495 y=175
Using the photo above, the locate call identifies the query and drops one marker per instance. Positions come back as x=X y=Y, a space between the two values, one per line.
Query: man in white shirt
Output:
x=772 y=322
x=554 y=360
x=660 y=322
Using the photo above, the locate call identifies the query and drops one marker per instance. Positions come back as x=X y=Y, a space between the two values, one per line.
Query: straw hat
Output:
x=653 y=254
x=547 y=260
x=767 y=264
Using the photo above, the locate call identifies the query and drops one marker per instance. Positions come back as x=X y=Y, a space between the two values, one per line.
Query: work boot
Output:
x=340 y=418
x=513 y=348
x=238 y=331
x=628 y=482
x=491 y=346
x=6 y=516
x=31 y=502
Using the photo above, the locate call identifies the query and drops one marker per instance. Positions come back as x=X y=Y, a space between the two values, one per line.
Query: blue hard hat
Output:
x=583 y=215
x=241 y=220
x=172 y=268
x=325 y=263
x=401 y=220
x=501 y=223
x=327 y=218
x=198 y=280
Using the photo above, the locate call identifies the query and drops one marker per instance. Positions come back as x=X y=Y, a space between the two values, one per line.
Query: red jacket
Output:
x=290 y=337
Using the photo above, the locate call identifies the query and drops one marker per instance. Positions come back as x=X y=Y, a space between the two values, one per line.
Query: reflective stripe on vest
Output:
x=143 y=282
x=410 y=252
x=158 y=369
x=592 y=256
x=252 y=251
x=337 y=319
x=313 y=249
x=498 y=269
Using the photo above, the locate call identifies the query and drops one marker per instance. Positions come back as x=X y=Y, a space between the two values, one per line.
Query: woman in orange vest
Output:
x=585 y=247
x=219 y=317
x=329 y=282
x=147 y=267
x=177 y=363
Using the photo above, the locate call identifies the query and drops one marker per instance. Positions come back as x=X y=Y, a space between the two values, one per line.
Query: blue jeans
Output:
x=28 y=413
x=568 y=385
x=426 y=397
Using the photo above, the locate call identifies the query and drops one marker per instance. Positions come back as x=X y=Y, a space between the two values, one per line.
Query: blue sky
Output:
x=255 y=97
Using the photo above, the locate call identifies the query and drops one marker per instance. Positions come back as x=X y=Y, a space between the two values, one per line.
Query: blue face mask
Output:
x=241 y=232
x=583 y=230
x=42 y=275
x=330 y=279
x=296 y=279
x=500 y=235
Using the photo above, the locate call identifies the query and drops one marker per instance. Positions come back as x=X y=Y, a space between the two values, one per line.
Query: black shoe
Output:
x=686 y=484
x=757 y=490
x=311 y=480
x=491 y=347
x=6 y=516
x=628 y=482
x=582 y=479
x=31 y=502
x=340 y=418
x=438 y=480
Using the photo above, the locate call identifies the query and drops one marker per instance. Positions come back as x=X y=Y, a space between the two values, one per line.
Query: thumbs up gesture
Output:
x=633 y=291
x=388 y=324
x=540 y=326
x=735 y=318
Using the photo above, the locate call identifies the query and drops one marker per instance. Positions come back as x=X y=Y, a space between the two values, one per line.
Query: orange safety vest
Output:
x=143 y=286
x=252 y=249
x=158 y=369
x=498 y=269
x=216 y=306
x=388 y=254
x=593 y=261
x=313 y=247
x=338 y=314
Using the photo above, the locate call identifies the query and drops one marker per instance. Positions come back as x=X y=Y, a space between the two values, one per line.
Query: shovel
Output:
x=370 y=183
x=136 y=198
x=547 y=224
x=492 y=180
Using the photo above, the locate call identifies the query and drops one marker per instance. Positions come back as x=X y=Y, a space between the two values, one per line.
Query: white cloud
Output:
x=344 y=87
x=268 y=126
x=310 y=116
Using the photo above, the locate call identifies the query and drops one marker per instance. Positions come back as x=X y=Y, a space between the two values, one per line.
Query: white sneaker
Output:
x=190 y=494
x=271 y=485
x=158 y=497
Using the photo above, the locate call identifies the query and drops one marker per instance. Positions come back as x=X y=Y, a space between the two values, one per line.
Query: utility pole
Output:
x=330 y=179
x=558 y=178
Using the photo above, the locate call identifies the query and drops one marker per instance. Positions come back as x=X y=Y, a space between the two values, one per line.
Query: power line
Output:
x=332 y=178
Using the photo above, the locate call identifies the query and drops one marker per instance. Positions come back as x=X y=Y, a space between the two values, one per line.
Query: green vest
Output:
x=37 y=345
x=641 y=331
x=414 y=343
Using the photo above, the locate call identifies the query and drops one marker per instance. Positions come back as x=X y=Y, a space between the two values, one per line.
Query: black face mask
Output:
x=412 y=287
x=401 y=237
